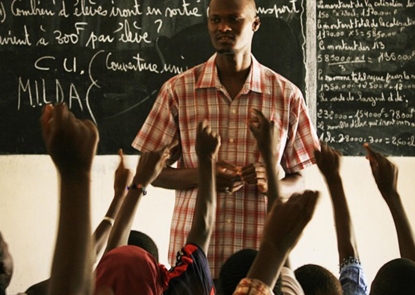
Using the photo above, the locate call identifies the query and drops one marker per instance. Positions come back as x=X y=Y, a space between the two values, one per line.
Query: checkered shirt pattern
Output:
x=252 y=287
x=197 y=94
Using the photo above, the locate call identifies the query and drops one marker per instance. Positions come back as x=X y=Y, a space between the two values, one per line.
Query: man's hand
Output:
x=71 y=143
x=255 y=174
x=228 y=178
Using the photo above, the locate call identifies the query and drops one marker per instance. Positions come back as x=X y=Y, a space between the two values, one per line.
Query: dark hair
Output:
x=236 y=268
x=140 y=239
x=40 y=288
x=317 y=280
x=395 y=277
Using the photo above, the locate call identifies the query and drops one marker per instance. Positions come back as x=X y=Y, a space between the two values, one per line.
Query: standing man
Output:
x=224 y=90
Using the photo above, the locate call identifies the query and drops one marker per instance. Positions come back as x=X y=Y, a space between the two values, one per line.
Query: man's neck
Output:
x=233 y=71
x=233 y=64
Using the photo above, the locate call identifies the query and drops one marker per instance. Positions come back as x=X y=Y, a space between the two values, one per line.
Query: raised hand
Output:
x=263 y=131
x=69 y=141
x=72 y=144
x=328 y=160
x=282 y=230
x=259 y=173
x=287 y=220
x=207 y=146
x=150 y=165
x=386 y=178
x=384 y=172
x=122 y=176
x=207 y=142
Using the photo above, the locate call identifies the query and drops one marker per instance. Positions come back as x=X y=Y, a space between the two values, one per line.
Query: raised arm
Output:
x=122 y=179
x=148 y=168
x=285 y=221
x=207 y=146
x=71 y=143
x=282 y=230
x=263 y=131
x=101 y=233
x=328 y=161
x=385 y=174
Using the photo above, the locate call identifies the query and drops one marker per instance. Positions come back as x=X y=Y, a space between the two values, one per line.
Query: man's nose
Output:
x=224 y=26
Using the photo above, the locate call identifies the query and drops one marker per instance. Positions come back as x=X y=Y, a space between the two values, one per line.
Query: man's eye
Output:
x=215 y=20
x=233 y=19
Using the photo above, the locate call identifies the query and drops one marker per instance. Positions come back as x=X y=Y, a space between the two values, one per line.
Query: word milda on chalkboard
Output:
x=366 y=74
x=64 y=43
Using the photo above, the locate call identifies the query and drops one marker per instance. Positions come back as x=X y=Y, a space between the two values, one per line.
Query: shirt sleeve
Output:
x=289 y=284
x=352 y=278
x=302 y=137
x=160 y=128
x=249 y=286
x=191 y=274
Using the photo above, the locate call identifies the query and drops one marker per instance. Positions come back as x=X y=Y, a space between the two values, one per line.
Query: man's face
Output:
x=231 y=25
x=6 y=264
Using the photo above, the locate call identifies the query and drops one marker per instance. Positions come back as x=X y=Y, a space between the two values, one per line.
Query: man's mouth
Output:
x=224 y=38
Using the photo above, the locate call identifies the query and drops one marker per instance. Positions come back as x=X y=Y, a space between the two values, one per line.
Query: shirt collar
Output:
x=209 y=76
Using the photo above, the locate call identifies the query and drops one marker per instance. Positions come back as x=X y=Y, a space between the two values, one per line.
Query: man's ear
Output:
x=256 y=24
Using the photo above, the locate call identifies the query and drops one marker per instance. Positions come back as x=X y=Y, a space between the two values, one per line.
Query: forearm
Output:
x=72 y=262
x=346 y=242
x=272 y=180
x=103 y=230
x=177 y=178
x=403 y=227
x=122 y=225
x=267 y=264
x=205 y=208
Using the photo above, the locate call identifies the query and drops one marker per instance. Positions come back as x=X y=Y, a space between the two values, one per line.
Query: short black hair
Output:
x=140 y=239
x=236 y=268
x=317 y=280
x=395 y=277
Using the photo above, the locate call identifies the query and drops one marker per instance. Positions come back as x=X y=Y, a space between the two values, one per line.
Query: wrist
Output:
x=138 y=187
x=333 y=177
x=206 y=159
x=144 y=182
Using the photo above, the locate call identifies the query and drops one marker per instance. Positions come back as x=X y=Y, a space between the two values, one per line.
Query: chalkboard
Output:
x=366 y=75
x=108 y=59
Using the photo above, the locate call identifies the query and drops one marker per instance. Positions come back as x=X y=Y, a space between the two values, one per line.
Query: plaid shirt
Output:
x=252 y=287
x=197 y=94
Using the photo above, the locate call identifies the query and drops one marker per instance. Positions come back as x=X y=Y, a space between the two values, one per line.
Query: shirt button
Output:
x=231 y=140
x=228 y=220
x=233 y=111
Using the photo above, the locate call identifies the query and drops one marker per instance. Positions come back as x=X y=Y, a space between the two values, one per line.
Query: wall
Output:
x=28 y=214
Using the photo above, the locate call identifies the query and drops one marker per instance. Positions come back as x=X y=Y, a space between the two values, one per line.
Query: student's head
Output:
x=231 y=25
x=140 y=239
x=130 y=270
x=6 y=265
x=40 y=288
x=395 y=277
x=236 y=268
x=317 y=280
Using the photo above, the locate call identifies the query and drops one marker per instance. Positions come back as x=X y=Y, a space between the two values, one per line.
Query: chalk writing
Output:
x=365 y=74
x=107 y=58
